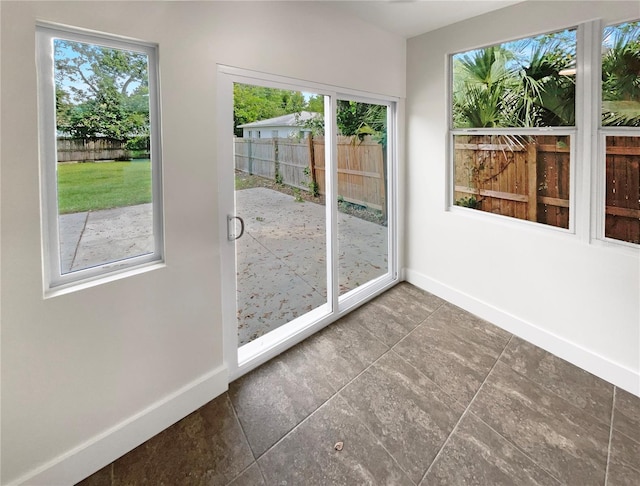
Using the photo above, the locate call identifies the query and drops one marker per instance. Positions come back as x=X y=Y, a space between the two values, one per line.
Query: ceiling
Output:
x=409 y=18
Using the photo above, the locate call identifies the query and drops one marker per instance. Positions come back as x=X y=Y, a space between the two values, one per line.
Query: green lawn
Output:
x=103 y=185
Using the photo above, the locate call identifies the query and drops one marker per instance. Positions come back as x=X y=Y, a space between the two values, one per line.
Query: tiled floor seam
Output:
x=377 y=439
x=533 y=461
x=423 y=375
x=254 y=463
x=613 y=408
x=244 y=433
x=419 y=371
x=550 y=391
x=320 y=406
x=515 y=446
x=336 y=392
x=455 y=428
x=374 y=336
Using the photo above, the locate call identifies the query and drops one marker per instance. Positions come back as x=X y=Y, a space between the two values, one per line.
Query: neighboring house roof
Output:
x=291 y=120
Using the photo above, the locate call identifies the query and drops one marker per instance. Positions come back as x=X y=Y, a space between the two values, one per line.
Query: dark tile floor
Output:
x=420 y=393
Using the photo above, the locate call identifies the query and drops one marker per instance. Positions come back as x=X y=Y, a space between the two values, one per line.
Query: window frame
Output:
x=54 y=280
x=573 y=132
x=600 y=134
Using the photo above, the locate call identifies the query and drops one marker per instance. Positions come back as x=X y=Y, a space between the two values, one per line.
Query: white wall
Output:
x=577 y=299
x=88 y=375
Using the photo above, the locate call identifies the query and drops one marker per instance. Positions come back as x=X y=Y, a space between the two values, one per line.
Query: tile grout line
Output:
x=389 y=348
x=244 y=433
x=533 y=461
x=336 y=393
x=357 y=415
x=241 y=473
x=515 y=446
x=613 y=408
x=368 y=332
x=420 y=371
x=455 y=428
x=264 y=479
x=554 y=393
x=415 y=328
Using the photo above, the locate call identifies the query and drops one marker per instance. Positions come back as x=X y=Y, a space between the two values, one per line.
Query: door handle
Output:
x=231 y=227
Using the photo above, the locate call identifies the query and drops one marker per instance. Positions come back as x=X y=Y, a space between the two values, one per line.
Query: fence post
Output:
x=249 y=157
x=276 y=163
x=312 y=161
x=384 y=182
x=532 y=176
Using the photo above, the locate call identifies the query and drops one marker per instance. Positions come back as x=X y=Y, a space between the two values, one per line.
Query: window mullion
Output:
x=587 y=113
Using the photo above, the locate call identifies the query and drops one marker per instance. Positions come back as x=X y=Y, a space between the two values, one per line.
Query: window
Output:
x=100 y=154
x=512 y=128
x=620 y=131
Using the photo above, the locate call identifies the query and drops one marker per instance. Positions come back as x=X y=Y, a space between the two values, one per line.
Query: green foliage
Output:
x=140 y=142
x=100 y=91
x=468 y=202
x=316 y=125
x=252 y=103
x=362 y=119
x=356 y=119
x=621 y=76
x=517 y=84
x=297 y=195
x=313 y=186
x=103 y=185
x=315 y=104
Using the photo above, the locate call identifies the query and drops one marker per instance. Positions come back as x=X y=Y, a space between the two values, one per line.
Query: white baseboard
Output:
x=600 y=366
x=104 y=448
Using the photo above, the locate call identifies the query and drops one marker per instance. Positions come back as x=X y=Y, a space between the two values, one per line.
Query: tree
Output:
x=621 y=76
x=355 y=119
x=482 y=89
x=252 y=103
x=101 y=91
x=315 y=104
x=517 y=84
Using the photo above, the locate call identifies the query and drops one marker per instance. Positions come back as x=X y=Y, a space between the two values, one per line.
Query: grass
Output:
x=103 y=185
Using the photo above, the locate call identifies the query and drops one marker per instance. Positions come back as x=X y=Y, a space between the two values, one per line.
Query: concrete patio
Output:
x=281 y=259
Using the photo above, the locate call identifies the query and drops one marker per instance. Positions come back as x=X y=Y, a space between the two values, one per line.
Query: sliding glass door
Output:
x=306 y=209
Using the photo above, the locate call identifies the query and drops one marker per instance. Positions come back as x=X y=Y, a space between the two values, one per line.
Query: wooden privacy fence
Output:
x=281 y=159
x=300 y=163
x=622 y=200
x=523 y=177
x=78 y=149
x=527 y=177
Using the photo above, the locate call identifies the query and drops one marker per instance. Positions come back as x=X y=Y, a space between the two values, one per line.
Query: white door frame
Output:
x=263 y=349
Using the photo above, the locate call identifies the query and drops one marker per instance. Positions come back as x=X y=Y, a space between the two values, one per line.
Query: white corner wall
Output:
x=88 y=375
x=579 y=300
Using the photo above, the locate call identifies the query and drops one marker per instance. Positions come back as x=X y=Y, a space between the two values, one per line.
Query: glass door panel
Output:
x=362 y=196
x=281 y=263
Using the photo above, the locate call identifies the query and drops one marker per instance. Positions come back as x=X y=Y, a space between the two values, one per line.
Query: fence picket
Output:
x=360 y=166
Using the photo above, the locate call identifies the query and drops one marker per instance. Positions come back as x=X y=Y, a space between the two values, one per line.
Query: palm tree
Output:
x=516 y=85
x=482 y=87
x=621 y=76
